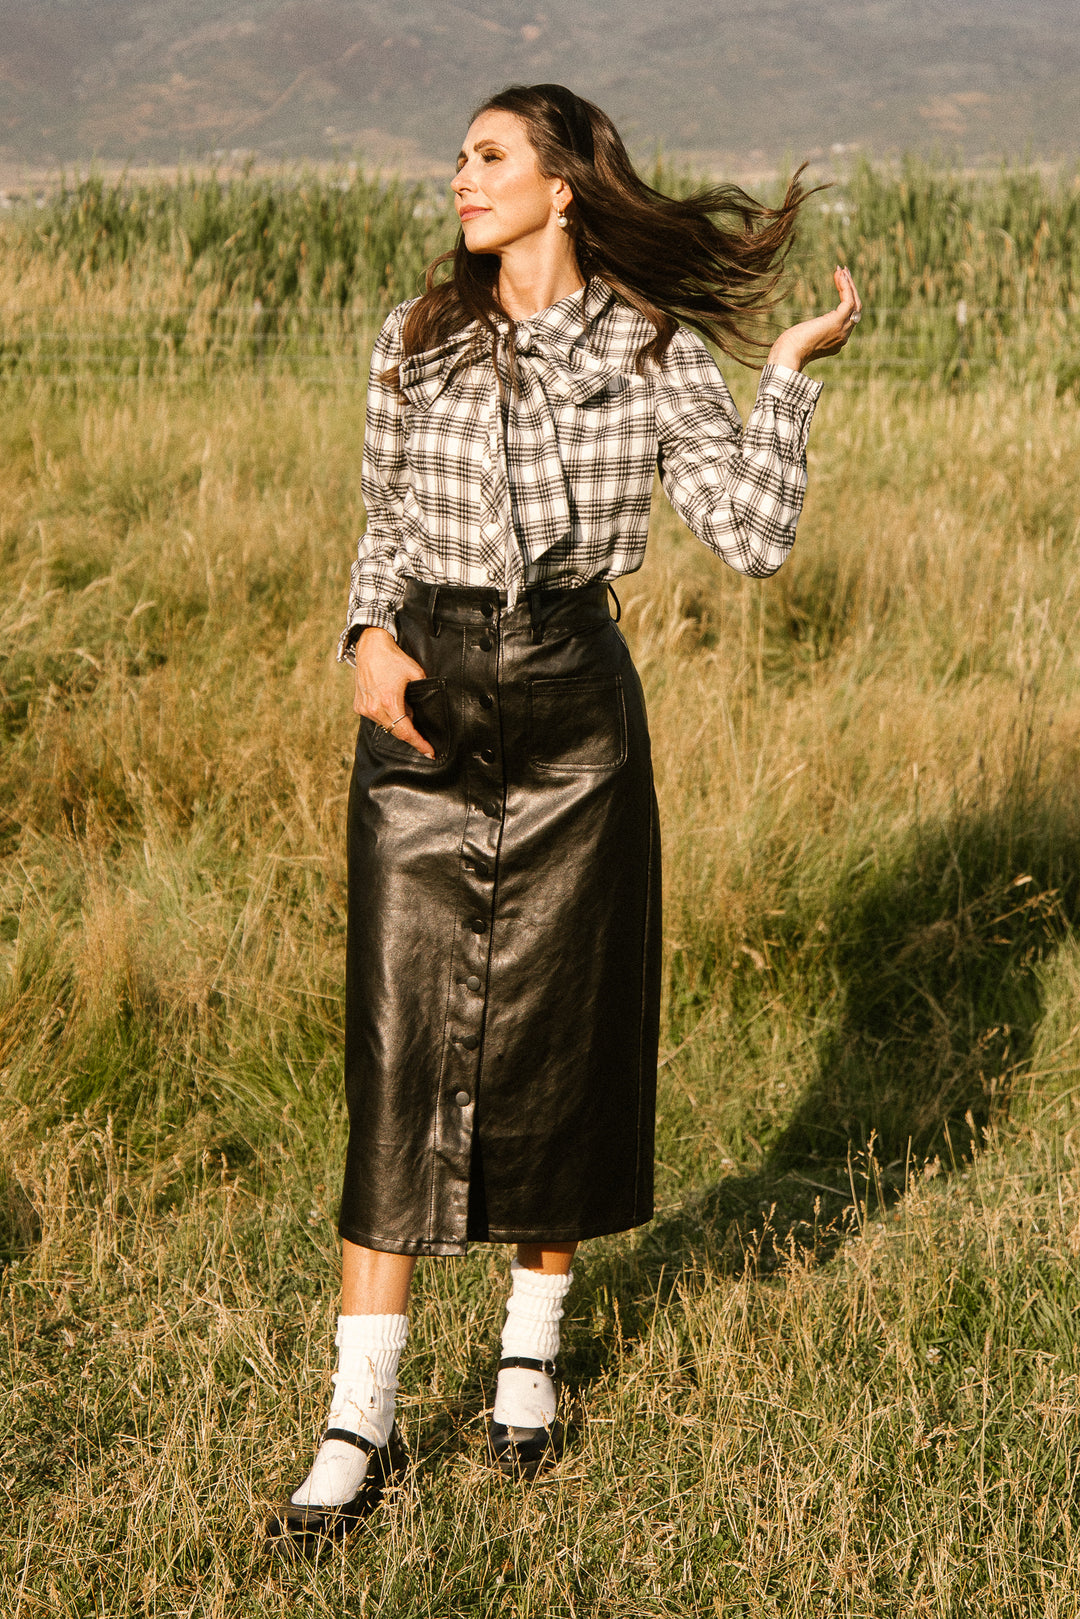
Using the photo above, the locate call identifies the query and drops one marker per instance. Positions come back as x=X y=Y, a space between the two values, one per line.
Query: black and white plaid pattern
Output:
x=469 y=483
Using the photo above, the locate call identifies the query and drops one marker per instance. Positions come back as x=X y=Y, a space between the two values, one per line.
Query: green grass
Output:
x=962 y=277
x=838 y=1373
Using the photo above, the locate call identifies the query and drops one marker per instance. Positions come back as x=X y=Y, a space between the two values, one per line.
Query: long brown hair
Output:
x=665 y=256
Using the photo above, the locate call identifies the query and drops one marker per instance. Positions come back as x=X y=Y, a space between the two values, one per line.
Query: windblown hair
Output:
x=667 y=257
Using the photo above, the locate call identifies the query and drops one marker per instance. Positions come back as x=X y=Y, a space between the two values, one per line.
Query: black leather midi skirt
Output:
x=503 y=963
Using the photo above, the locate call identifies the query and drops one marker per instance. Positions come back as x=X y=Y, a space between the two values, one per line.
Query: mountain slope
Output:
x=286 y=78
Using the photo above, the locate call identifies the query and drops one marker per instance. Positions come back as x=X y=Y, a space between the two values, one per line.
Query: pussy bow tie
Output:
x=551 y=374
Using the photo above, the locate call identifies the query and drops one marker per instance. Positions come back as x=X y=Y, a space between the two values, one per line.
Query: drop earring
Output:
x=562 y=221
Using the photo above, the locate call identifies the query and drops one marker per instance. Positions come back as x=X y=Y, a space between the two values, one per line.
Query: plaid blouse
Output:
x=467 y=482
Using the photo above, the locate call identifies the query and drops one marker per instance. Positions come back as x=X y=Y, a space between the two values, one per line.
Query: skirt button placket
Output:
x=480 y=847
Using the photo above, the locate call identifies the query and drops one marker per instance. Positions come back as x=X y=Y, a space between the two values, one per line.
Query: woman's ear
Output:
x=561 y=196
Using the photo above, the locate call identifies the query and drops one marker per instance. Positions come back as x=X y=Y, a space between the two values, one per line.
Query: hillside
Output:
x=755 y=79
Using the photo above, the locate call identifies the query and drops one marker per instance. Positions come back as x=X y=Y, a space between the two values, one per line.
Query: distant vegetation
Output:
x=959 y=275
x=839 y=1374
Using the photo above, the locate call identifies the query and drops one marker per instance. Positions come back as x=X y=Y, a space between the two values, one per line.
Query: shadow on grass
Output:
x=20 y=1223
x=931 y=954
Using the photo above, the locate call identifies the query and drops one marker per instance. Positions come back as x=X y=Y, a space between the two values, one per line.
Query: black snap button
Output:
x=488 y=755
x=478 y=925
x=487 y=609
x=491 y=810
x=486 y=700
x=470 y=1042
x=472 y=982
x=485 y=643
x=462 y=1098
x=481 y=868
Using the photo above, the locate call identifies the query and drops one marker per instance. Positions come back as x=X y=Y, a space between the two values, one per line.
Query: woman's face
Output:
x=502 y=198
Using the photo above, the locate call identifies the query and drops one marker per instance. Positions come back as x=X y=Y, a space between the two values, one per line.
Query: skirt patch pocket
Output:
x=430 y=715
x=577 y=723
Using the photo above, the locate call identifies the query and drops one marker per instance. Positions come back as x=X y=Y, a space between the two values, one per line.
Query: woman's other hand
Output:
x=825 y=334
x=382 y=673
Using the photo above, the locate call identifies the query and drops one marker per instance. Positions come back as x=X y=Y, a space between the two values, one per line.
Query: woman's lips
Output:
x=471 y=213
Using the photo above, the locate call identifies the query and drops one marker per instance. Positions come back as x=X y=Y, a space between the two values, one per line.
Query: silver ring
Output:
x=855 y=319
x=398 y=721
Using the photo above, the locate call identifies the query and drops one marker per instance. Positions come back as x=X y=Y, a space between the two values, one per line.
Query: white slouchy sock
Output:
x=369 y=1348
x=523 y=1398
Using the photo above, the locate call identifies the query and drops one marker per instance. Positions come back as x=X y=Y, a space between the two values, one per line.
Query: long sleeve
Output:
x=739 y=489
x=376 y=585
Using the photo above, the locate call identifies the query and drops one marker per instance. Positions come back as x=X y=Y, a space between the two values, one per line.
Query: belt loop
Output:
x=433 y=624
x=618 y=603
x=536 y=614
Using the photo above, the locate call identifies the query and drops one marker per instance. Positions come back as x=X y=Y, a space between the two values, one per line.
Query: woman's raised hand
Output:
x=382 y=673
x=825 y=334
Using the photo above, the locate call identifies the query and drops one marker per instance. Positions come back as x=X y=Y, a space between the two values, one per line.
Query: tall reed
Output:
x=960 y=275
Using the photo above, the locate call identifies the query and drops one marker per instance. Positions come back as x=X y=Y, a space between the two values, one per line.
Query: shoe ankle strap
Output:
x=357 y=1439
x=510 y=1361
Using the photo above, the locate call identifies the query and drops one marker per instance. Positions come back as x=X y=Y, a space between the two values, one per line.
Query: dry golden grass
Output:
x=837 y=1375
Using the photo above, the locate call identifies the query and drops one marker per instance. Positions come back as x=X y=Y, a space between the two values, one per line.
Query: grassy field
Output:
x=838 y=1374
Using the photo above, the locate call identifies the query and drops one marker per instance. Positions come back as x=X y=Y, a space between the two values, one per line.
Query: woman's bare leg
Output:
x=552 y=1258
x=374 y=1283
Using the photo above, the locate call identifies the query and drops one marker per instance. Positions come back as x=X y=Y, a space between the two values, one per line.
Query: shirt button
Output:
x=478 y=925
x=472 y=982
x=488 y=755
x=470 y=1042
x=462 y=1098
x=486 y=700
x=485 y=643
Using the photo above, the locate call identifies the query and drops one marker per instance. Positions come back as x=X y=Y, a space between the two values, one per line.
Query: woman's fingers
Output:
x=383 y=671
x=391 y=713
x=406 y=731
x=822 y=335
x=837 y=327
x=850 y=306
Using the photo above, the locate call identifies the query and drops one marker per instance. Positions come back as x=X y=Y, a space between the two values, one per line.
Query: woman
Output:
x=504 y=908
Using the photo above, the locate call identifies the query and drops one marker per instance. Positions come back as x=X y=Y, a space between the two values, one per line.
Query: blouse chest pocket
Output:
x=577 y=723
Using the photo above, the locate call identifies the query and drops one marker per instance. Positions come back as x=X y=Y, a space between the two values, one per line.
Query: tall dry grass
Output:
x=838 y=1373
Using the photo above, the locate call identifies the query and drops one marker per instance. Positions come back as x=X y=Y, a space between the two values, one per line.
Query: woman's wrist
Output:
x=785 y=351
x=370 y=633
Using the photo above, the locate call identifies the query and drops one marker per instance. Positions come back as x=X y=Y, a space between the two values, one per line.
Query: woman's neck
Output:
x=527 y=285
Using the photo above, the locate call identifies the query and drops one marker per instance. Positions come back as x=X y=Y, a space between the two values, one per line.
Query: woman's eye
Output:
x=492 y=157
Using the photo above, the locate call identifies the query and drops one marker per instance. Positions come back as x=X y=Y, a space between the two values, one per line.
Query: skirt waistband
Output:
x=462 y=606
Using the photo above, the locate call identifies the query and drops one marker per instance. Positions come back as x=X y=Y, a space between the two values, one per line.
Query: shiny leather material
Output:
x=522 y=1452
x=504 y=934
x=307 y=1531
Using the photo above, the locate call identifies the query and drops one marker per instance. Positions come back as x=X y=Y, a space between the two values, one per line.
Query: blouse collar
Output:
x=552 y=340
x=563 y=324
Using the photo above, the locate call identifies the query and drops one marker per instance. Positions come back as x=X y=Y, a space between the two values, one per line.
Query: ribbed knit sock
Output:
x=369 y=1348
x=525 y=1399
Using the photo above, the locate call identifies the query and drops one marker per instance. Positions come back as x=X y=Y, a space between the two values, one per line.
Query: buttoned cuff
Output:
x=381 y=618
x=788 y=387
x=791 y=396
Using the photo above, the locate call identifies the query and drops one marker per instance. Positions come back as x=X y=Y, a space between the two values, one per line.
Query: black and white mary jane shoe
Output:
x=523 y=1452
x=306 y=1531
